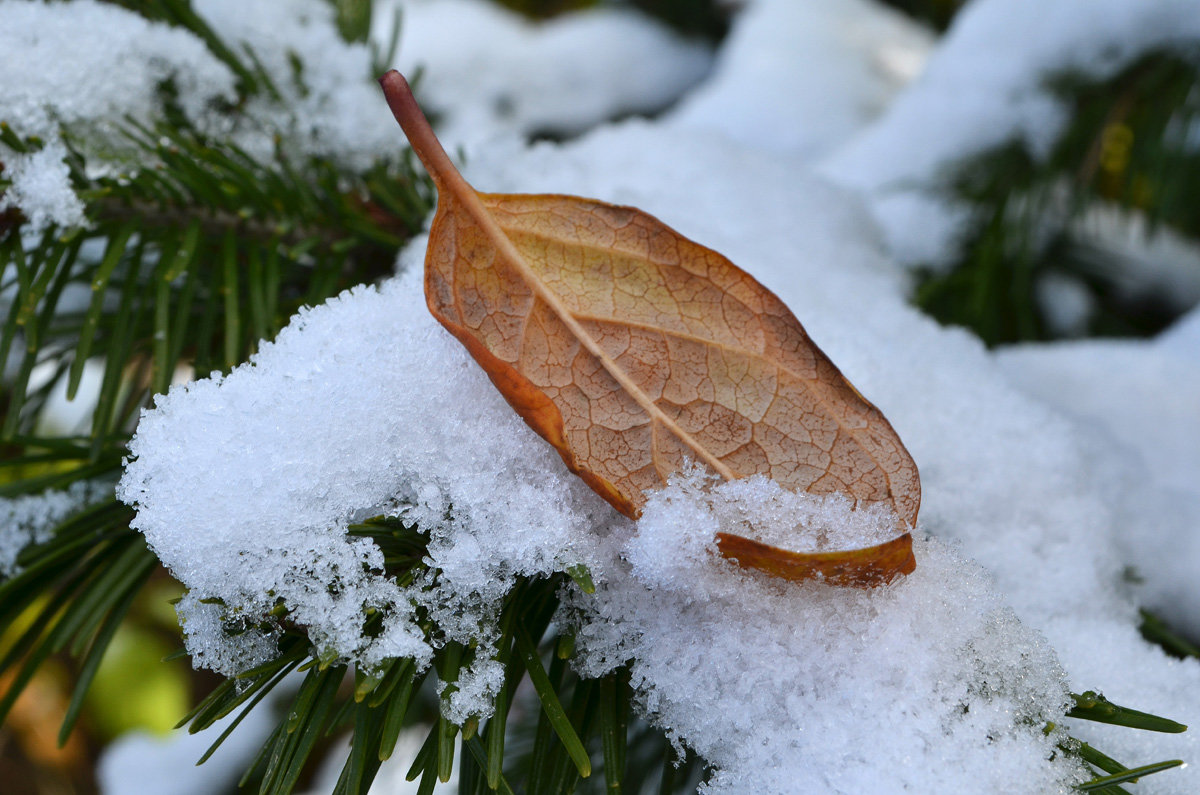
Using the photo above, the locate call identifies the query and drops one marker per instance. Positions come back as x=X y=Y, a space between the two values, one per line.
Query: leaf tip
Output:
x=861 y=568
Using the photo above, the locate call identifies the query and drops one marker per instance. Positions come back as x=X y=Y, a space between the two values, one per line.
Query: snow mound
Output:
x=488 y=72
x=365 y=406
x=837 y=62
x=245 y=485
x=847 y=690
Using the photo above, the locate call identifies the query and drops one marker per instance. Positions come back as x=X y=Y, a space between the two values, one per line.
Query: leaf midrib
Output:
x=817 y=395
x=469 y=199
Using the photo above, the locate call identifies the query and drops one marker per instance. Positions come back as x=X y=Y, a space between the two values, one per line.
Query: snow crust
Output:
x=986 y=85
x=1046 y=470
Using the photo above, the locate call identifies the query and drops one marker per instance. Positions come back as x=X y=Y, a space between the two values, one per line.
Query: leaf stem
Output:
x=420 y=133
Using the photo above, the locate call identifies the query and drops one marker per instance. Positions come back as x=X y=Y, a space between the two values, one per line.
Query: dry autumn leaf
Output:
x=632 y=349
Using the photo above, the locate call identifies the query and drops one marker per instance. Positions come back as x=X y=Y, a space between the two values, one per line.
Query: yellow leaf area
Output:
x=633 y=350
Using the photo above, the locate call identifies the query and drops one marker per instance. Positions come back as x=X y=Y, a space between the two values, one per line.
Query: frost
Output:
x=25 y=521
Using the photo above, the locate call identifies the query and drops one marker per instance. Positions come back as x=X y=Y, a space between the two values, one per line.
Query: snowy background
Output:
x=806 y=149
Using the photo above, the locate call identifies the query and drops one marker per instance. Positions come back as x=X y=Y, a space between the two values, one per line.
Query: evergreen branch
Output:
x=206 y=233
x=1125 y=146
x=206 y=252
x=179 y=13
x=73 y=591
x=383 y=703
x=1095 y=707
x=191 y=260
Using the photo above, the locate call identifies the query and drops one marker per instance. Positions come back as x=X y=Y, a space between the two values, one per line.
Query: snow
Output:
x=1143 y=399
x=298 y=491
x=847 y=690
x=41 y=187
x=64 y=75
x=837 y=62
x=987 y=85
x=64 y=78
x=759 y=509
x=487 y=72
x=421 y=424
x=29 y=520
x=770 y=681
x=326 y=106
x=506 y=76
x=1025 y=491
x=1047 y=470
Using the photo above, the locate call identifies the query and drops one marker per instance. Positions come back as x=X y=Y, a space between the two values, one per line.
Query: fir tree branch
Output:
x=1122 y=148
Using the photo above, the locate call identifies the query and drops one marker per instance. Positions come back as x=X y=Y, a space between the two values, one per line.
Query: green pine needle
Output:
x=1129 y=775
x=1095 y=707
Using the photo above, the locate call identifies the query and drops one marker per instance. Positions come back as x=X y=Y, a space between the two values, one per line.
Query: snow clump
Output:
x=29 y=520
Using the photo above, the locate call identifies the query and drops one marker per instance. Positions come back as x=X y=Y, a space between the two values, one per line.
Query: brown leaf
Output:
x=631 y=348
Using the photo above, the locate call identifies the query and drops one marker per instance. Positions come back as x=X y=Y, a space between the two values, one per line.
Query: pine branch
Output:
x=192 y=257
x=1124 y=147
